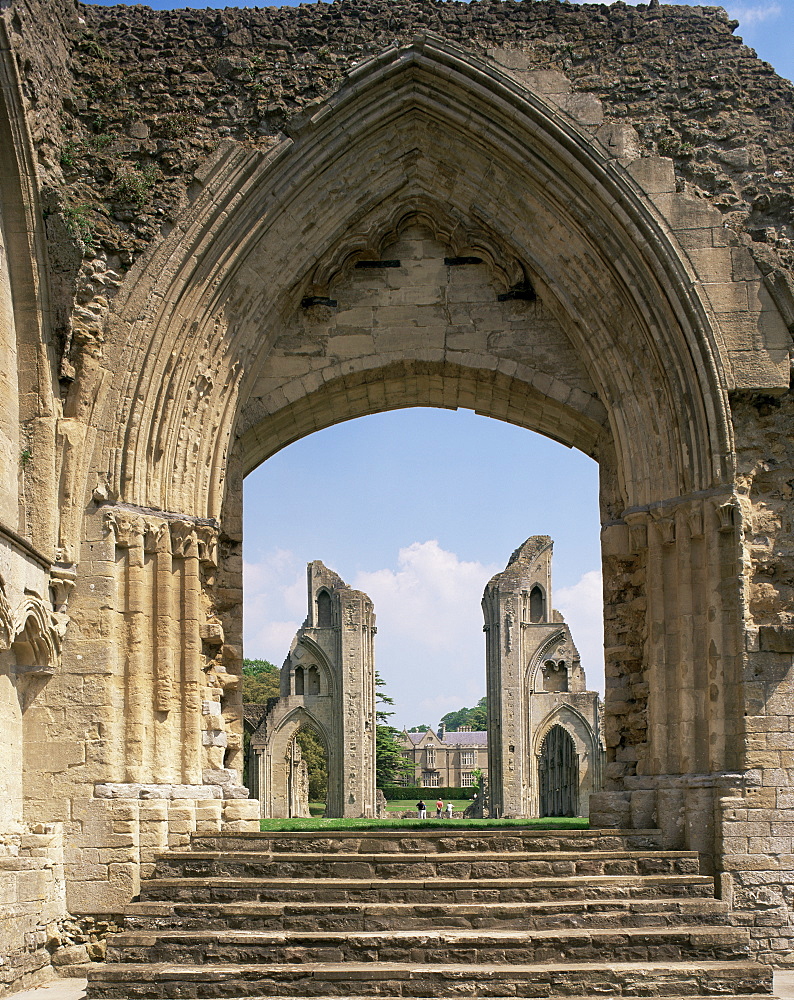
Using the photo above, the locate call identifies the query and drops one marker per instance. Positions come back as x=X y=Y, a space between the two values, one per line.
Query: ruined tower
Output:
x=328 y=687
x=544 y=752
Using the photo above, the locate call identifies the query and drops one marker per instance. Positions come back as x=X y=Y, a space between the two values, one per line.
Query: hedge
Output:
x=413 y=792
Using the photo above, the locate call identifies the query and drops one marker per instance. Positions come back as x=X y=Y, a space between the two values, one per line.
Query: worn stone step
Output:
x=439 y=840
x=489 y=946
x=412 y=916
x=142 y=981
x=495 y=865
x=327 y=890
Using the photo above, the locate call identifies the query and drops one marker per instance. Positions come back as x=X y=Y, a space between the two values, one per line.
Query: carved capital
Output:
x=207 y=540
x=638 y=531
x=127 y=528
x=62 y=581
x=726 y=515
x=694 y=516
x=184 y=543
x=666 y=529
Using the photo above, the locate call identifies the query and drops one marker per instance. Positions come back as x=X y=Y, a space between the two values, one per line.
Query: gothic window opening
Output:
x=314 y=681
x=558 y=774
x=324 y=614
x=537 y=605
x=555 y=676
x=300 y=680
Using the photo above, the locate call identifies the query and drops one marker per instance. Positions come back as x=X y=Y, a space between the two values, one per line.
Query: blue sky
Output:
x=419 y=508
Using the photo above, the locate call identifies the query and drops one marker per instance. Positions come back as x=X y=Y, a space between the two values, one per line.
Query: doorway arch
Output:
x=276 y=308
x=558 y=773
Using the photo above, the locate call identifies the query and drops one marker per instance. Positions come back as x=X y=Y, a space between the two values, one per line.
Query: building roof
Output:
x=452 y=739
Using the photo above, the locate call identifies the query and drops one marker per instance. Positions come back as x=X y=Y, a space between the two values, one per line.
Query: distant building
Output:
x=446 y=759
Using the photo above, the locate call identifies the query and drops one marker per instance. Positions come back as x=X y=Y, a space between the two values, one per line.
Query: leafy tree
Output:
x=314 y=754
x=419 y=729
x=261 y=680
x=476 y=717
x=390 y=763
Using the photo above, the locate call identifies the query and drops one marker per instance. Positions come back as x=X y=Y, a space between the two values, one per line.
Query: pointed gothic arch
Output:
x=228 y=344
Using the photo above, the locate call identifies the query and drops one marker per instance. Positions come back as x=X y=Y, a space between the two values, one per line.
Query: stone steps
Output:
x=610 y=913
x=220 y=890
x=437 y=839
x=533 y=914
x=482 y=946
x=461 y=865
x=130 y=981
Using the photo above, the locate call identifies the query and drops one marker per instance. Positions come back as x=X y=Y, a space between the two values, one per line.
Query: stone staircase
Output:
x=429 y=913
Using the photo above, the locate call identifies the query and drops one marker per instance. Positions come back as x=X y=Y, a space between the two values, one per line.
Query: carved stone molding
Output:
x=6 y=620
x=62 y=581
x=38 y=634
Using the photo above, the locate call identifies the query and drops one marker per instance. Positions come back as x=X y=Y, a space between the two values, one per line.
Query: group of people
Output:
x=421 y=809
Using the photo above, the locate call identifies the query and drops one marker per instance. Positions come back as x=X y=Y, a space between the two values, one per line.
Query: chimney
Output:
x=442 y=730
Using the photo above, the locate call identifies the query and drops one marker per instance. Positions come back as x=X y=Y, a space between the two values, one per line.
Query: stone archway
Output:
x=558 y=773
x=437 y=233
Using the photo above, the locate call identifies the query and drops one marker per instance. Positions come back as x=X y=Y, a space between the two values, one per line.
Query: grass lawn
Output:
x=401 y=805
x=316 y=823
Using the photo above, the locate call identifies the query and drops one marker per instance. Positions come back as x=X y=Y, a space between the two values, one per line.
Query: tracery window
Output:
x=467 y=758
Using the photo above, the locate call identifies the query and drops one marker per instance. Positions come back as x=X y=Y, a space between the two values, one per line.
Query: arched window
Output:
x=299 y=680
x=324 y=615
x=537 y=605
x=314 y=681
x=558 y=774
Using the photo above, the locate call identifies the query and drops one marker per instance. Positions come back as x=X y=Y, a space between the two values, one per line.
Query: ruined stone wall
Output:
x=136 y=115
x=154 y=92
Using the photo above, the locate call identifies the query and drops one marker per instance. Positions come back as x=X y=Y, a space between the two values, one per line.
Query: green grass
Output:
x=401 y=805
x=547 y=823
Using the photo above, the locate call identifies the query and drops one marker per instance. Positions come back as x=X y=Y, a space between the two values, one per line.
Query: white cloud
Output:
x=430 y=647
x=275 y=605
x=582 y=606
x=430 y=596
x=753 y=13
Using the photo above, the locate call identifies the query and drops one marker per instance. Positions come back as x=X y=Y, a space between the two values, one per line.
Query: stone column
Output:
x=185 y=547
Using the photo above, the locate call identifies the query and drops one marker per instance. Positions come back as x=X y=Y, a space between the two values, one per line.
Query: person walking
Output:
x=439 y=808
x=421 y=810
x=449 y=810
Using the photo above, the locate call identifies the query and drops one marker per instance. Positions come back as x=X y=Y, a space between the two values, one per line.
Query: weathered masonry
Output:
x=545 y=756
x=328 y=687
x=223 y=230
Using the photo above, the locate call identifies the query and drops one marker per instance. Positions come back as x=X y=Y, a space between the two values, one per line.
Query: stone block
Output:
x=776 y=638
x=610 y=810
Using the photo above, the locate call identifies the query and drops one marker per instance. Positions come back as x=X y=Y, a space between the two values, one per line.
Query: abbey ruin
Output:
x=544 y=741
x=223 y=230
x=328 y=687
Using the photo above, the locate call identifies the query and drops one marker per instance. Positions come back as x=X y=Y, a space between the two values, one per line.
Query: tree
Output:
x=261 y=680
x=419 y=729
x=476 y=717
x=391 y=765
x=313 y=753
